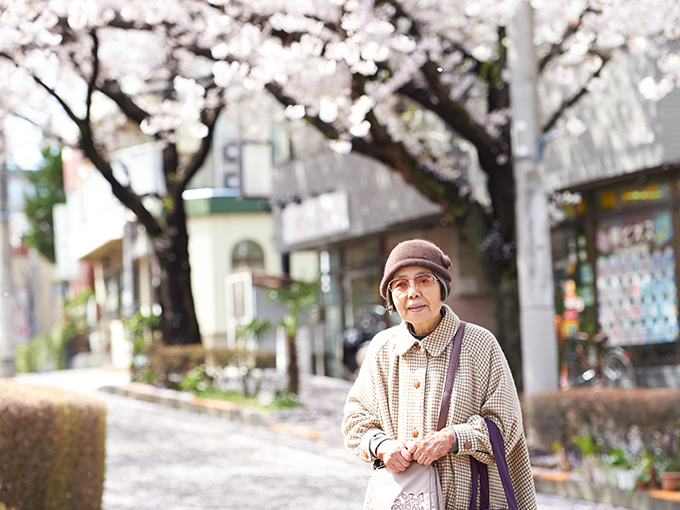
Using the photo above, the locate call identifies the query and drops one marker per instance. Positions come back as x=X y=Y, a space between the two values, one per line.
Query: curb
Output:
x=561 y=485
x=188 y=402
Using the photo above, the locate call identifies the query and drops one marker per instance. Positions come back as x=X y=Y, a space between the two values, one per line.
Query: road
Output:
x=163 y=458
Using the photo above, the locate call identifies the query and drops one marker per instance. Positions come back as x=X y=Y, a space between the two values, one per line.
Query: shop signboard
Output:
x=315 y=218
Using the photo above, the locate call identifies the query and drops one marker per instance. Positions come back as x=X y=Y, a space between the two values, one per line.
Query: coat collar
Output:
x=435 y=342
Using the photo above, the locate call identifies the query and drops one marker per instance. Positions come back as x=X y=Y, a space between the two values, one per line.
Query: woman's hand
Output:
x=394 y=454
x=432 y=447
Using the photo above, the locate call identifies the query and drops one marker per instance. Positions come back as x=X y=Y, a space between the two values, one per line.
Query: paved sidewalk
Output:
x=319 y=417
x=135 y=470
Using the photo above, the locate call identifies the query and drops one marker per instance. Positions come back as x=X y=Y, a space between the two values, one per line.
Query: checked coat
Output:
x=399 y=392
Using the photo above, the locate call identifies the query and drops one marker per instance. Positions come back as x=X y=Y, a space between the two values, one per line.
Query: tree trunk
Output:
x=179 y=324
x=293 y=374
x=494 y=238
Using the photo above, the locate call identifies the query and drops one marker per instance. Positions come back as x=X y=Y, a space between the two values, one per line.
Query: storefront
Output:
x=616 y=267
x=353 y=212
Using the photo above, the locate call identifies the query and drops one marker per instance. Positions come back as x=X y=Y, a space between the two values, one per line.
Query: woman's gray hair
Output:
x=444 y=284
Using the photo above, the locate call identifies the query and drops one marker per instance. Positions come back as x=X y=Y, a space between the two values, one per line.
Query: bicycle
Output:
x=602 y=365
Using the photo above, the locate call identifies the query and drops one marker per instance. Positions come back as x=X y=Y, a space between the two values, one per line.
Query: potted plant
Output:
x=670 y=478
x=623 y=476
x=645 y=472
x=589 y=450
x=670 y=459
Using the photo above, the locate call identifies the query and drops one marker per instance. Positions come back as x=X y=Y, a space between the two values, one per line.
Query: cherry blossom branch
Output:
x=45 y=129
x=49 y=90
x=209 y=118
x=568 y=103
x=92 y=82
x=448 y=110
x=416 y=32
x=558 y=48
x=454 y=201
x=394 y=154
x=359 y=145
x=67 y=109
x=124 y=193
x=326 y=129
x=111 y=88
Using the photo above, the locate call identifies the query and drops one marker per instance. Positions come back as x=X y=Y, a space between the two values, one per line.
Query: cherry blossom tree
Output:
x=416 y=83
x=97 y=73
x=419 y=85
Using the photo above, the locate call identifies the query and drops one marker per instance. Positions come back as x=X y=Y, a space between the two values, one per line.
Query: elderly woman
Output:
x=392 y=410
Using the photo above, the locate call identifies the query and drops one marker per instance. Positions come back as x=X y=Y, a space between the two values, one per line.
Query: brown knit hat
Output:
x=415 y=252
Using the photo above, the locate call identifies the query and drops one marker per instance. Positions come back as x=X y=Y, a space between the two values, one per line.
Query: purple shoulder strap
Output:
x=479 y=470
x=450 y=375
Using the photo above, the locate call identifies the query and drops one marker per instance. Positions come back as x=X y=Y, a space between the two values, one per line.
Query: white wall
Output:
x=304 y=265
x=212 y=239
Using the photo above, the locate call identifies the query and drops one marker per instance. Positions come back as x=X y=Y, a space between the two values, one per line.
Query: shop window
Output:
x=360 y=255
x=636 y=287
x=247 y=254
x=574 y=283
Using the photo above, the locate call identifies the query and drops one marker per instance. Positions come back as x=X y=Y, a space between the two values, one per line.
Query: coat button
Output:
x=467 y=446
x=414 y=433
x=366 y=454
x=416 y=347
x=416 y=384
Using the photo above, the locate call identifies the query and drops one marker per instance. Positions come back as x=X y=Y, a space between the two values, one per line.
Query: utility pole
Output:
x=7 y=368
x=534 y=257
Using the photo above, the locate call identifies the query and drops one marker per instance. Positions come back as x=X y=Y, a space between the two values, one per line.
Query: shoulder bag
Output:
x=419 y=487
x=479 y=470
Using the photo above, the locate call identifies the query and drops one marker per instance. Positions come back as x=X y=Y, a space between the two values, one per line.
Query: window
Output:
x=247 y=254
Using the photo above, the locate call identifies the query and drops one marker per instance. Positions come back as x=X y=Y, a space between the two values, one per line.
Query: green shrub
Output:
x=168 y=365
x=52 y=448
x=48 y=352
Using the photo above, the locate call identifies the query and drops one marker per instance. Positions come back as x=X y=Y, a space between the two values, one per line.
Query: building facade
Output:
x=352 y=211
x=101 y=246
x=615 y=250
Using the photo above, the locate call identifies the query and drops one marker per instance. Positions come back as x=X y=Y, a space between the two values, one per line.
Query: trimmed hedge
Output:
x=614 y=417
x=52 y=448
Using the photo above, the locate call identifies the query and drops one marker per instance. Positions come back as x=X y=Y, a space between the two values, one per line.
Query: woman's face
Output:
x=419 y=305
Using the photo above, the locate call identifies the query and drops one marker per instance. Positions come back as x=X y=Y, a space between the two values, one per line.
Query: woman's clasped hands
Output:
x=397 y=455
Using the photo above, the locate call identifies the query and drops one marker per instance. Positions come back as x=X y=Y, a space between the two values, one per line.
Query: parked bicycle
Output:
x=600 y=364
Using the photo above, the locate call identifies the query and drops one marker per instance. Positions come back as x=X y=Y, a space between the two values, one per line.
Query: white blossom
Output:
x=642 y=134
x=199 y=130
x=375 y=52
x=360 y=130
x=403 y=43
x=327 y=67
x=328 y=110
x=295 y=112
x=340 y=146
x=653 y=90
x=575 y=126
x=365 y=67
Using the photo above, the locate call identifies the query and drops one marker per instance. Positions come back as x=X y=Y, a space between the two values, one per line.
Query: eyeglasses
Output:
x=401 y=286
